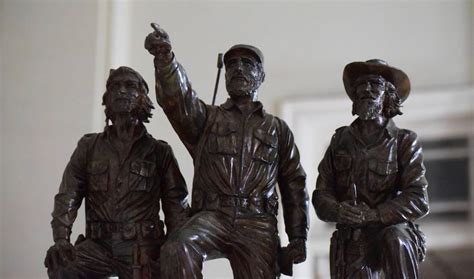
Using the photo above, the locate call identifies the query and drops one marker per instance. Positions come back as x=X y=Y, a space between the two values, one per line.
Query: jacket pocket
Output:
x=223 y=139
x=381 y=174
x=342 y=165
x=141 y=175
x=98 y=175
x=266 y=146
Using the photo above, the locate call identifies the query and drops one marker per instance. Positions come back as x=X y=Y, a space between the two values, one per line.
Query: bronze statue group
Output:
x=371 y=181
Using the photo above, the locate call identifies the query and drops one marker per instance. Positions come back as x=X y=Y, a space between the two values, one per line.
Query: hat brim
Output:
x=355 y=70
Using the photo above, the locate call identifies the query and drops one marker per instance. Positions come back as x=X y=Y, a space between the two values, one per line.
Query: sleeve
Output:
x=185 y=111
x=411 y=202
x=292 y=185
x=174 y=193
x=324 y=197
x=71 y=192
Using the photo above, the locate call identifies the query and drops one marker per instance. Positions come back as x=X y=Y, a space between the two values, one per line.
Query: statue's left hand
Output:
x=297 y=250
x=59 y=254
x=369 y=215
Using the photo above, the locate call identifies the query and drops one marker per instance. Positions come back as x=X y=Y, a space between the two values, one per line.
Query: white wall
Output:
x=54 y=61
x=2 y=26
x=48 y=83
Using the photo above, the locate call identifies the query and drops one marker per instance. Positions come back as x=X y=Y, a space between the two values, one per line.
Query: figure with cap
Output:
x=122 y=174
x=372 y=182
x=240 y=153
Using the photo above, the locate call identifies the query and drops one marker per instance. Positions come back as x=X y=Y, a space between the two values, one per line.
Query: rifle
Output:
x=219 y=67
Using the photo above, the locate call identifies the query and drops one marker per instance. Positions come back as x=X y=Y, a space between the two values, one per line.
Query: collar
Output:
x=390 y=128
x=142 y=132
x=229 y=104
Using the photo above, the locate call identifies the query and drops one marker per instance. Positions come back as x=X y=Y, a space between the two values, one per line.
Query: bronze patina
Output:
x=240 y=154
x=122 y=174
x=372 y=182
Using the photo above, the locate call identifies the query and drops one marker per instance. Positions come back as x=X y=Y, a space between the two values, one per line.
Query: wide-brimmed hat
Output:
x=355 y=70
x=248 y=48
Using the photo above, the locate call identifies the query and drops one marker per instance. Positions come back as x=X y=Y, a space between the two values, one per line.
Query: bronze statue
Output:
x=372 y=181
x=122 y=174
x=240 y=153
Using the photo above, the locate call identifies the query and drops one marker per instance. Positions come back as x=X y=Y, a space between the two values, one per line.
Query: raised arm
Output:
x=186 y=112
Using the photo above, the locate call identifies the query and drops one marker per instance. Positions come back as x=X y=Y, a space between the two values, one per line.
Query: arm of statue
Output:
x=294 y=196
x=186 y=112
x=324 y=198
x=66 y=203
x=175 y=194
x=412 y=201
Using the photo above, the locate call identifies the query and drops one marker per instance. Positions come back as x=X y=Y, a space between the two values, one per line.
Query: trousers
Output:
x=249 y=243
x=394 y=251
x=102 y=259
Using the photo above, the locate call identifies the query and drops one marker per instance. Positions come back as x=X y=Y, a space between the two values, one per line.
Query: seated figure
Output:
x=372 y=181
x=122 y=174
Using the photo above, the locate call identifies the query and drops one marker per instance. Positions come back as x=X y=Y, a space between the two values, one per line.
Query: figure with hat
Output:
x=123 y=174
x=372 y=182
x=240 y=154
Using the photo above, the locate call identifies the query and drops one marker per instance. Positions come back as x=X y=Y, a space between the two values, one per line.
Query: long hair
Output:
x=392 y=102
x=145 y=105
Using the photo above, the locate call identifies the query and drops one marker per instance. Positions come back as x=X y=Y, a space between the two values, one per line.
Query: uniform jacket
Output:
x=120 y=188
x=235 y=154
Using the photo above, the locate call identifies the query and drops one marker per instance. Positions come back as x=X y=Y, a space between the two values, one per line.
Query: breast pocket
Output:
x=142 y=174
x=98 y=175
x=265 y=146
x=382 y=174
x=342 y=165
x=223 y=139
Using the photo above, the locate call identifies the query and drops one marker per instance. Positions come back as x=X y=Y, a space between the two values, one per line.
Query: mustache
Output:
x=368 y=96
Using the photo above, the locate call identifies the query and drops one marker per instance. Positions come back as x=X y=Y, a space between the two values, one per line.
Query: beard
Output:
x=242 y=85
x=367 y=110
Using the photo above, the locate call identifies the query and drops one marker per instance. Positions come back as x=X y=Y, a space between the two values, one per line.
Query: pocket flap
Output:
x=143 y=168
x=224 y=129
x=383 y=167
x=266 y=138
x=342 y=162
x=97 y=167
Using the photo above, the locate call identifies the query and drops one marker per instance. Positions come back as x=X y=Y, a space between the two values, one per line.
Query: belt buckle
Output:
x=129 y=231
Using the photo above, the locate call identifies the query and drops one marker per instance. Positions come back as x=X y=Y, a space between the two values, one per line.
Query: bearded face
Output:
x=243 y=75
x=369 y=97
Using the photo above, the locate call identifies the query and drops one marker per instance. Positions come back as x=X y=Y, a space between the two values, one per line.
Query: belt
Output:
x=252 y=205
x=152 y=230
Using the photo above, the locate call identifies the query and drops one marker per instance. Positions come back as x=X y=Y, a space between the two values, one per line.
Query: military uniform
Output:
x=238 y=158
x=122 y=195
x=390 y=177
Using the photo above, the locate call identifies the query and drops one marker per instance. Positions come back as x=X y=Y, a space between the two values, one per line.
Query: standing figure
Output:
x=372 y=181
x=240 y=153
x=122 y=174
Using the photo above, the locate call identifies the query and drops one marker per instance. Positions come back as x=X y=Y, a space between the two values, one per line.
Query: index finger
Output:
x=158 y=29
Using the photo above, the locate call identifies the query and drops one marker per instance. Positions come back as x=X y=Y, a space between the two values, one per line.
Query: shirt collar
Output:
x=108 y=130
x=390 y=128
x=229 y=104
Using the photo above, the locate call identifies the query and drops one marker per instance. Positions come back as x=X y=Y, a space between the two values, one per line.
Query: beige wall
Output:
x=48 y=82
x=2 y=26
x=53 y=60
